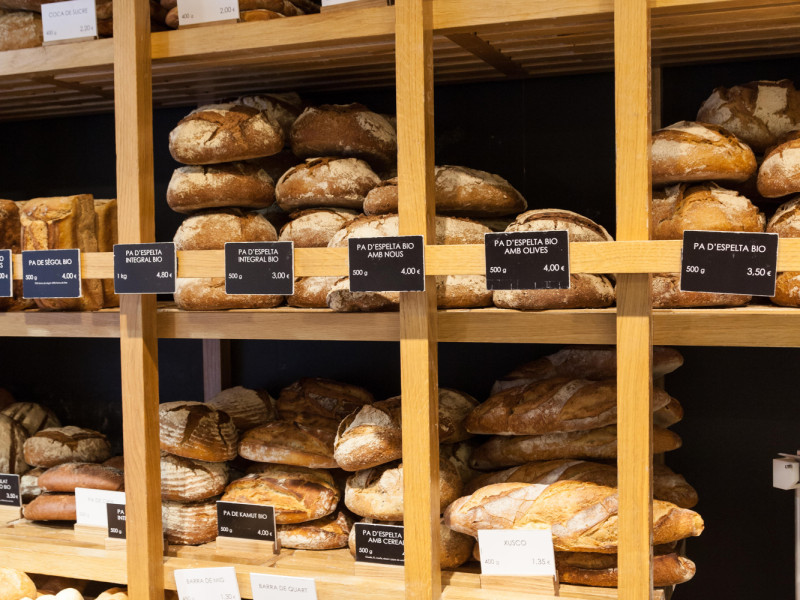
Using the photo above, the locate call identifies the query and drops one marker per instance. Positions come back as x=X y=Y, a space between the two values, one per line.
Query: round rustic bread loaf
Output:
x=58 y=445
x=208 y=293
x=15 y=584
x=370 y=436
x=326 y=182
x=377 y=493
x=282 y=108
x=197 y=430
x=314 y=228
x=12 y=443
x=786 y=223
x=33 y=417
x=691 y=151
x=219 y=133
x=189 y=523
x=287 y=443
x=320 y=403
x=462 y=291
x=236 y=184
x=298 y=494
x=188 y=480
x=51 y=507
x=586 y=290
x=68 y=476
x=327 y=533
x=349 y=130
x=459 y=191
x=248 y=408
x=779 y=174
x=311 y=292
x=759 y=113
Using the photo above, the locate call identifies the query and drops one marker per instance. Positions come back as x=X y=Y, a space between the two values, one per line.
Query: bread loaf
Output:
x=779 y=174
x=9 y=239
x=327 y=533
x=668 y=570
x=459 y=191
x=12 y=442
x=759 y=113
x=505 y=451
x=62 y=223
x=118 y=462
x=298 y=494
x=583 y=516
x=189 y=523
x=15 y=584
x=348 y=130
x=282 y=108
x=311 y=292
x=586 y=290
x=691 y=151
x=247 y=408
x=20 y=30
x=669 y=415
x=33 y=417
x=197 y=430
x=51 y=507
x=105 y=220
x=786 y=223
x=377 y=493
x=219 y=133
x=68 y=476
x=188 y=480
x=236 y=184
x=326 y=182
x=58 y=445
x=314 y=228
x=320 y=403
x=287 y=443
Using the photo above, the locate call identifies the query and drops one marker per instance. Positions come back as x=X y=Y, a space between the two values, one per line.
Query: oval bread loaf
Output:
x=281 y=108
x=57 y=445
x=189 y=523
x=66 y=477
x=314 y=228
x=247 y=408
x=51 y=507
x=327 y=533
x=236 y=184
x=197 y=430
x=326 y=182
x=320 y=403
x=12 y=446
x=786 y=223
x=189 y=480
x=287 y=443
x=311 y=292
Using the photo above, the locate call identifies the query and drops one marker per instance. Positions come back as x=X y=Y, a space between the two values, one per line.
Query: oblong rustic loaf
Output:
x=197 y=430
x=311 y=292
x=189 y=480
x=668 y=570
x=51 y=507
x=247 y=408
x=57 y=445
x=326 y=182
x=236 y=184
x=68 y=476
x=189 y=523
x=287 y=443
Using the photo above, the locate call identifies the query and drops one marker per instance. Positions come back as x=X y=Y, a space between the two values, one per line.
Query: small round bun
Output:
x=211 y=230
x=15 y=584
x=248 y=408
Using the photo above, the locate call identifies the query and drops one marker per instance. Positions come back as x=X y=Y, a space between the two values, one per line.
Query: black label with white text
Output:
x=9 y=490
x=380 y=544
x=264 y=268
x=6 y=287
x=246 y=521
x=387 y=264
x=116 y=520
x=145 y=268
x=527 y=260
x=51 y=273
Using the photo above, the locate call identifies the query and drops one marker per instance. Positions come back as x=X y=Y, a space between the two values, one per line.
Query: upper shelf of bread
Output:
x=354 y=48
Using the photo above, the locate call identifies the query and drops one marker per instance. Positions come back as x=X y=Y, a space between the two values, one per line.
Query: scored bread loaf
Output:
x=583 y=516
x=298 y=494
x=314 y=227
x=105 y=219
x=779 y=174
x=282 y=108
x=12 y=443
x=58 y=445
x=667 y=485
x=236 y=184
x=668 y=570
x=20 y=30
x=586 y=290
x=188 y=480
x=197 y=430
x=51 y=507
x=66 y=477
x=508 y=451
x=311 y=292
x=189 y=523
x=288 y=443
x=786 y=223
x=320 y=403
x=247 y=408
x=33 y=417
x=326 y=533
x=326 y=182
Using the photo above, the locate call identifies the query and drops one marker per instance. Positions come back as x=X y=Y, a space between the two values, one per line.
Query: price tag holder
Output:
x=259 y=268
x=517 y=552
x=725 y=262
x=199 y=12
x=145 y=268
x=6 y=278
x=282 y=587
x=51 y=273
x=9 y=491
x=381 y=544
x=69 y=21
x=387 y=264
x=247 y=521
x=527 y=260
x=115 y=515
x=90 y=506
x=216 y=583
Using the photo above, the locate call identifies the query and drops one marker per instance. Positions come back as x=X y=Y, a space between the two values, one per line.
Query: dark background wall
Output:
x=554 y=140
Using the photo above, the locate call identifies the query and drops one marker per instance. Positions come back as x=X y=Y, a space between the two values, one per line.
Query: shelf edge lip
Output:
x=60 y=58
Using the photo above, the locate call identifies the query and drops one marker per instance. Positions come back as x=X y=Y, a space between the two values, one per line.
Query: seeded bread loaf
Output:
x=68 y=476
x=287 y=443
x=12 y=443
x=188 y=480
x=668 y=570
x=786 y=223
x=58 y=445
x=197 y=430
x=33 y=417
x=236 y=184
x=189 y=523
x=247 y=408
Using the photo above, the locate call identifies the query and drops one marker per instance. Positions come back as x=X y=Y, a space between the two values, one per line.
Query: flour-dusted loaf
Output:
x=508 y=451
x=377 y=493
x=107 y=229
x=786 y=223
x=459 y=191
x=349 y=130
x=68 y=476
x=759 y=113
x=189 y=523
x=33 y=417
x=51 y=507
x=779 y=174
x=314 y=227
x=326 y=182
x=691 y=151
x=189 y=480
x=586 y=290
x=248 y=408
x=58 y=445
x=320 y=403
x=298 y=494
x=218 y=133
x=583 y=516
x=12 y=442
x=20 y=30
x=287 y=443
x=63 y=222
x=197 y=430
x=327 y=533
x=236 y=184
x=282 y=108
x=15 y=584
x=668 y=569
x=311 y=292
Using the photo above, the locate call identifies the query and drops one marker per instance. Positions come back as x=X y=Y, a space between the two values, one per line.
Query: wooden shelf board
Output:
x=35 y=323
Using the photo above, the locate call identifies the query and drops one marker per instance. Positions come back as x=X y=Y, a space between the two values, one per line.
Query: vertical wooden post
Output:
x=634 y=315
x=216 y=367
x=418 y=325
x=138 y=335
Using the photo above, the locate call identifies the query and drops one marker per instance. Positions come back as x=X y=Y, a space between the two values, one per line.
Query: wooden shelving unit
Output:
x=408 y=46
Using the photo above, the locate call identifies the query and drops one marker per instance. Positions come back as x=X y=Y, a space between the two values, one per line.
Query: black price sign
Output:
x=246 y=521
x=51 y=273
x=380 y=544
x=724 y=262
x=387 y=264
x=265 y=268
x=145 y=268
x=527 y=260
x=6 y=290
x=116 y=520
x=9 y=490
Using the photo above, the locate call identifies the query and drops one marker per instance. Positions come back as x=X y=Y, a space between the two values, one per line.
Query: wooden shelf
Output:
x=35 y=323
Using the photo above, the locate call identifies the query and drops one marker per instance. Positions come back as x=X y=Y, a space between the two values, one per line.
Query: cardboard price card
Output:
x=51 y=273
x=517 y=552
x=6 y=277
x=282 y=587
x=197 y=12
x=216 y=583
x=383 y=544
x=527 y=260
x=75 y=19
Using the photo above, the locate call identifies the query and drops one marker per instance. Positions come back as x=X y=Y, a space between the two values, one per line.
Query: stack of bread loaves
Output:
x=547 y=417
x=251 y=10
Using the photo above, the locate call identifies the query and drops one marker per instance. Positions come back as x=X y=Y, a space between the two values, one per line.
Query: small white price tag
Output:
x=207 y=584
x=195 y=12
x=69 y=20
x=91 y=505
x=517 y=552
x=280 y=587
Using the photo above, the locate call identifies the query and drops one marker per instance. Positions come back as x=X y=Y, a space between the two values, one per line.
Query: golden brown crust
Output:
x=237 y=184
x=586 y=291
x=20 y=30
x=209 y=294
x=326 y=182
x=668 y=569
x=247 y=408
x=68 y=476
x=779 y=174
x=786 y=223
x=33 y=417
x=51 y=507
x=189 y=523
x=314 y=228
x=197 y=430
x=311 y=292
x=287 y=443
x=327 y=533
x=320 y=403
x=188 y=480
x=211 y=230
x=58 y=445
